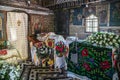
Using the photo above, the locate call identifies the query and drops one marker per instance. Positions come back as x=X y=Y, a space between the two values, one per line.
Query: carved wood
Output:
x=4 y=37
x=24 y=4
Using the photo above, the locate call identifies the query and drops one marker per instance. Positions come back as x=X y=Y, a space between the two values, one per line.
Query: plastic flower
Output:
x=84 y=52
x=105 y=65
x=60 y=48
x=87 y=66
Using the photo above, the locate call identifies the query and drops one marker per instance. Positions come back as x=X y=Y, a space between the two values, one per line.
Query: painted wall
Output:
x=41 y=24
x=107 y=13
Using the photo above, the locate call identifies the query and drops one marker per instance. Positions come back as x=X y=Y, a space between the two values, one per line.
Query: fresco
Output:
x=102 y=14
x=89 y=10
x=76 y=16
x=115 y=14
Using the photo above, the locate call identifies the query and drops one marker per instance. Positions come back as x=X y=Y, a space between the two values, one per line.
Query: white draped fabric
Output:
x=17 y=25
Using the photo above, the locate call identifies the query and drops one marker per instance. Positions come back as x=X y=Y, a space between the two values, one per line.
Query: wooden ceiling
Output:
x=58 y=4
x=51 y=4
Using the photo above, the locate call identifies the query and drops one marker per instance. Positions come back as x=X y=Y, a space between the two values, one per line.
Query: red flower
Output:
x=40 y=44
x=60 y=47
x=49 y=43
x=3 y=52
x=105 y=65
x=84 y=52
x=86 y=66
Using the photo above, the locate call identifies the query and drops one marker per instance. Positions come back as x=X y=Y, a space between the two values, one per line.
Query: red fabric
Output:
x=3 y=52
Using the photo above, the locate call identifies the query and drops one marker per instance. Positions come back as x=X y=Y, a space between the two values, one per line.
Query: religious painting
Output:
x=2 y=25
x=102 y=14
x=115 y=14
x=76 y=16
x=89 y=10
x=37 y=24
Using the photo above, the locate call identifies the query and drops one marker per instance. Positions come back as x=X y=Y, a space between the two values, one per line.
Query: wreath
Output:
x=61 y=48
x=50 y=43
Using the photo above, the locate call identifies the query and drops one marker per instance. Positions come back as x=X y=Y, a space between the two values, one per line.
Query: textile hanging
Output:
x=18 y=22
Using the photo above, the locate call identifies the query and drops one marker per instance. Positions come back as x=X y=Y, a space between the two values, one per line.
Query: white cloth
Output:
x=34 y=56
x=17 y=27
x=115 y=76
x=60 y=62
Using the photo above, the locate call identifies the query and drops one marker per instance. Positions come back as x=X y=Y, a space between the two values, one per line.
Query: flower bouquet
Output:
x=104 y=39
x=61 y=48
x=9 y=71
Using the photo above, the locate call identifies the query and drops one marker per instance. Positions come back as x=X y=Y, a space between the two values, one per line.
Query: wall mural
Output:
x=76 y=16
x=102 y=14
x=115 y=14
x=37 y=23
x=89 y=10
x=93 y=62
x=41 y=23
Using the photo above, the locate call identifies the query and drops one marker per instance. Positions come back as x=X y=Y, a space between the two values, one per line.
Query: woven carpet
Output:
x=32 y=72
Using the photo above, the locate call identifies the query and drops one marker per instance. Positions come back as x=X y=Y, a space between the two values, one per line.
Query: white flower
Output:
x=110 y=43
x=114 y=40
x=108 y=39
x=104 y=35
x=111 y=36
x=100 y=42
x=116 y=45
x=117 y=36
x=119 y=40
x=105 y=39
x=106 y=44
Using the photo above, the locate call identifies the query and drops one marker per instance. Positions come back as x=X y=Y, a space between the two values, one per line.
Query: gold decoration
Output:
x=0 y=23
x=18 y=22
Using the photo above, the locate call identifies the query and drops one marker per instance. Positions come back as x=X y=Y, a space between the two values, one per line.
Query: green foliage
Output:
x=9 y=71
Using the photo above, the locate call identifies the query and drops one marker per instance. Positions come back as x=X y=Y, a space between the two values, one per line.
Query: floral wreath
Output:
x=104 y=39
x=50 y=43
x=61 y=48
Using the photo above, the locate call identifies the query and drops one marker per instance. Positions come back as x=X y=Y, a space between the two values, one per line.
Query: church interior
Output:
x=59 y=39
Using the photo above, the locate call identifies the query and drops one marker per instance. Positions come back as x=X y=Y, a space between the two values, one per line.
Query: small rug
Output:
x=32 y=72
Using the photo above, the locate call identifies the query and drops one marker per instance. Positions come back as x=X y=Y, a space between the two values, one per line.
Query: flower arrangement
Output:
x=104 y=39
x=50 y=43
x=9 y=71
x=60 y=48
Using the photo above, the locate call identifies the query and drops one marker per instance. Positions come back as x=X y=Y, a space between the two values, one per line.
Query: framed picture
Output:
x=2 y=25
x=37 y=22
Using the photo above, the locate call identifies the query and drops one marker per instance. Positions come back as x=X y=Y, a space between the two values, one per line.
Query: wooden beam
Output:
x=23 y=5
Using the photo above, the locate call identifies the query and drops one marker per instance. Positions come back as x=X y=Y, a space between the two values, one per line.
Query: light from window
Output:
x=92 y=24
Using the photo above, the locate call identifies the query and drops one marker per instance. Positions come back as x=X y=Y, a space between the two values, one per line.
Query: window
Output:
x=91 y=23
